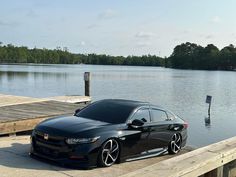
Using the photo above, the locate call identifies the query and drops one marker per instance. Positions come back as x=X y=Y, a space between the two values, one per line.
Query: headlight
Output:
x=33 y=132
x=81 y=140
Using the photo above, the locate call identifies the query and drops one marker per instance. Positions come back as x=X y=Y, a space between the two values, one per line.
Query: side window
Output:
x=158 y=115
x=170 y=115
x=142 y=114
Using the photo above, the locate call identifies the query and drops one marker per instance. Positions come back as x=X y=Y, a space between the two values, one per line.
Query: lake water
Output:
x=182 y=91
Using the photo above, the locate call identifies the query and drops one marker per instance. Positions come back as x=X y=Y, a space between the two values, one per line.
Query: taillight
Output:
x=185 y=125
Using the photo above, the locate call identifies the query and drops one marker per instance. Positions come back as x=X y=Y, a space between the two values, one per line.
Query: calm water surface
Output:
x=182 y=91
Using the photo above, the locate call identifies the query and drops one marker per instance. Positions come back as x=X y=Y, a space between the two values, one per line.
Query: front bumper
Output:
x=184 y=135
x=81 y=156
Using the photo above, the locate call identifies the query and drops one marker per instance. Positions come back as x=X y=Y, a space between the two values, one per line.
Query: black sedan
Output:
x=107 y=132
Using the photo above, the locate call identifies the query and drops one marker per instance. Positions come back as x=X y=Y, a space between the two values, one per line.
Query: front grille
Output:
x=52 y=140
x=54 y=147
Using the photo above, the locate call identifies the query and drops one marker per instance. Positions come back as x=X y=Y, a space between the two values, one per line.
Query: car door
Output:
x=136 y=139
x=160 y=133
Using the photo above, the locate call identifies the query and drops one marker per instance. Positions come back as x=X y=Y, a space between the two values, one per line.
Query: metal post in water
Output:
x=208 y=100
x=208 y=119
x=209 y=110
x=87 y=83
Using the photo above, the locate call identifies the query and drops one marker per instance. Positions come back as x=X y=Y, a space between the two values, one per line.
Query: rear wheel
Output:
x=175 y=144
x=109 y=153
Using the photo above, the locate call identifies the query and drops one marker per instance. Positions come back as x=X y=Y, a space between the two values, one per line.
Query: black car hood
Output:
x=69 y=125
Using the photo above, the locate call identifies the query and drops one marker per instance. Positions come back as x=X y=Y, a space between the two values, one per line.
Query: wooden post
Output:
x=218 y=172
x=87 y=83
x=230 y=169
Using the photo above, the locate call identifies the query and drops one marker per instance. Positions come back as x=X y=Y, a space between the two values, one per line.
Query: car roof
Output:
x=130 y=103
x=125 y=102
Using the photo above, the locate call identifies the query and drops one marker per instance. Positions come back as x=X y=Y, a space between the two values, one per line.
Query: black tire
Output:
x=109 y=153
x=175 y=144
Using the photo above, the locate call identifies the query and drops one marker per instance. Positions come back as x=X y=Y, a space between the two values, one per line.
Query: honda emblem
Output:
x=45 y=136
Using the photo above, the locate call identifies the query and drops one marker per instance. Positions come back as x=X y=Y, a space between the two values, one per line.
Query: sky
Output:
x=117 y=27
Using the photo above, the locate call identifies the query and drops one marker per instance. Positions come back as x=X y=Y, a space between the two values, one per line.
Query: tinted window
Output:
x=158 y=115
x=142 y=114
x=110 y=112
x=170 y=115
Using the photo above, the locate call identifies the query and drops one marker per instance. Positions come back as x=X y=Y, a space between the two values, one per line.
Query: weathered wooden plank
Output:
x=195 y=163
x=71 y=99
x=34 y=110
x=8 y=100
x=18 y=126
x=18 y=113
x=22 y=117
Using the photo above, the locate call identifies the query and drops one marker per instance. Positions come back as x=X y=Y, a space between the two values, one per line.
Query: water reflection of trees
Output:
x=24 y=75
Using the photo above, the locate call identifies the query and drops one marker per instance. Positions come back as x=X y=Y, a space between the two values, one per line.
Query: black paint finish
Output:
x=134 y=140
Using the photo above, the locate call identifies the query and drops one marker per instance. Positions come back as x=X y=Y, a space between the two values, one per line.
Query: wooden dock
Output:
x=19 y=114
x=214 y=160
x=7 y=100
x=71 y=99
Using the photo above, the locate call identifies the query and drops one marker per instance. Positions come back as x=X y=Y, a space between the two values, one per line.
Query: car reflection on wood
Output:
x=107 y=132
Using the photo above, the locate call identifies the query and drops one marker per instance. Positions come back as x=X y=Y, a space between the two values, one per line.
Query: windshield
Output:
x=107 y=111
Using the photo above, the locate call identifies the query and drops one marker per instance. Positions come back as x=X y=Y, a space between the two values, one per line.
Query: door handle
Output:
x=146 y=128
x=170 y=127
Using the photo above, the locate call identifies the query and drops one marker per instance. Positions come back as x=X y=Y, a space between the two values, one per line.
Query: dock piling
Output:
x=87 y=83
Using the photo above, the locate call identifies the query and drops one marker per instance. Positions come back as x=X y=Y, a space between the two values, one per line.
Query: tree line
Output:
x=14 y=54
x=192 y=56
x=185 y=56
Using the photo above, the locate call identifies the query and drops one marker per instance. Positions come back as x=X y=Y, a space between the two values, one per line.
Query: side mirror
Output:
x=137 y=123
x=76 y=111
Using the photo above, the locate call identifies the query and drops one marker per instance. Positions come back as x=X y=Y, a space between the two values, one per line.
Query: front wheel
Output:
x=175 y=144
x=109 y=153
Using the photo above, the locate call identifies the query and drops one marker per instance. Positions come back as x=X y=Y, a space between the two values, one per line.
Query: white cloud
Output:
x=82 y=43
x=107 y=14
x=210 y=36
x=31 y=13
x=92 y=26
x=176 y=39
x=2 y=23
x=185 y=31
x=142 y=34
x=143 y=44
x=8 y=24
x=216 y=19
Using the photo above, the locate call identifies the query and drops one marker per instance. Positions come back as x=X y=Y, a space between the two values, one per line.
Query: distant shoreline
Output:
x=47 y=64
x=185 y=56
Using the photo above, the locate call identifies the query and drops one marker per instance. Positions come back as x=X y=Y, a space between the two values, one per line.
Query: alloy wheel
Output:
x=175 y=144
x=110 y=152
